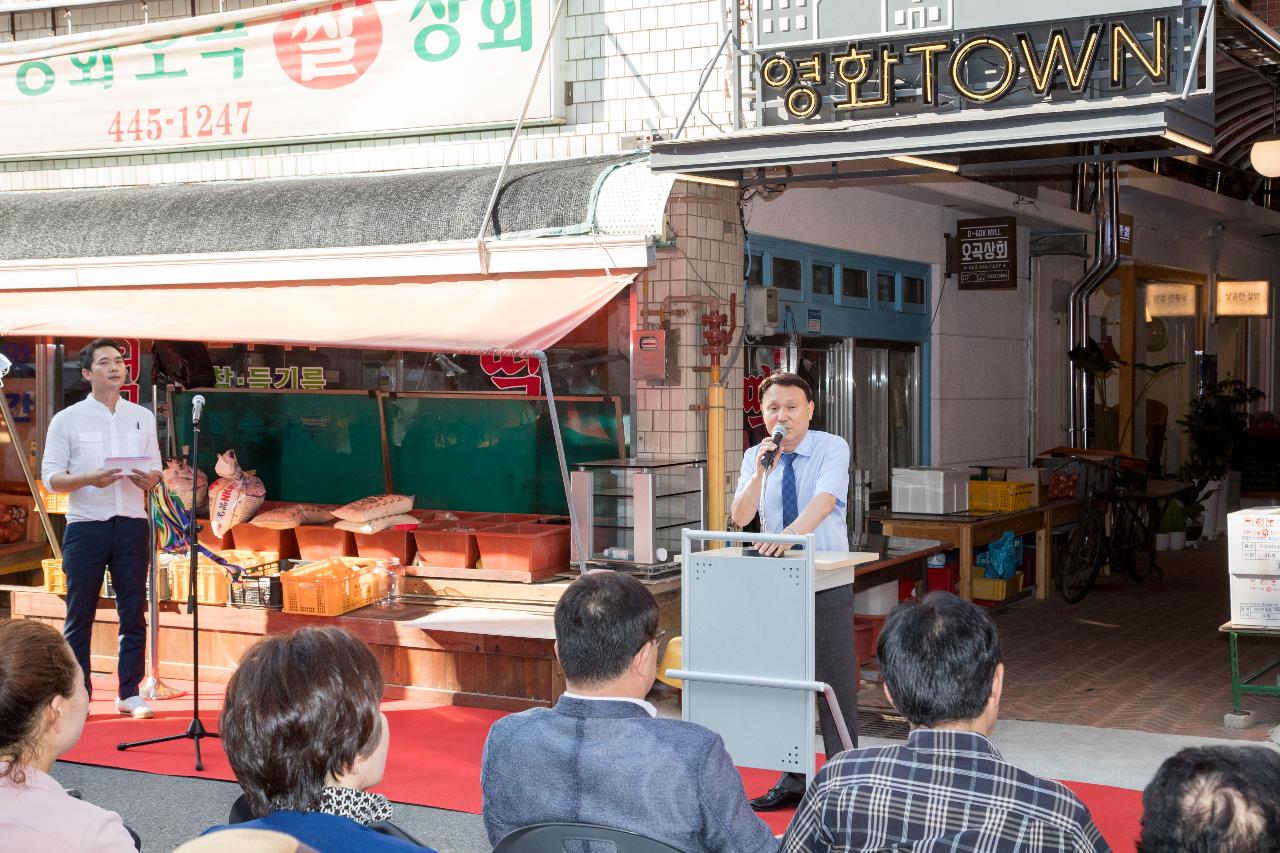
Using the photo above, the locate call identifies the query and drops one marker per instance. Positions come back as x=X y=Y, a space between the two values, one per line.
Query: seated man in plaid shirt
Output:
x=948 y=788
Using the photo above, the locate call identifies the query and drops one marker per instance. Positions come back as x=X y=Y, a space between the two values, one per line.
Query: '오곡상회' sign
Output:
x=343 y=69
x=987 y=253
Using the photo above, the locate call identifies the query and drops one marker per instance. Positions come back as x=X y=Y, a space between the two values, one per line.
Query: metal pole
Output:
x=26 y=473
x=153 y=687
x=578 y=544
x=515 y=136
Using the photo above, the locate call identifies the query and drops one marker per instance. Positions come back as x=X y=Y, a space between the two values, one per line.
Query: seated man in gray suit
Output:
x=601 y=755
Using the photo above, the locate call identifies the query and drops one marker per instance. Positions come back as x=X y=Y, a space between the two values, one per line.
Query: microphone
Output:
x=779 y=433
x=197 y=406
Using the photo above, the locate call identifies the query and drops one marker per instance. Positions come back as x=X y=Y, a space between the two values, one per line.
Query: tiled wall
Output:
x=705 y=260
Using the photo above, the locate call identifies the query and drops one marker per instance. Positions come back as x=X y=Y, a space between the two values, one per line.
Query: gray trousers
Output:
x=836 y=663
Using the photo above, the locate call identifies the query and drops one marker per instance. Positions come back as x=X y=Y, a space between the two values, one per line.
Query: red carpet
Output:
x=434 y=759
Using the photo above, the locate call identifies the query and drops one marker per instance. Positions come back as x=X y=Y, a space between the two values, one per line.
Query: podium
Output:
x=748 y=648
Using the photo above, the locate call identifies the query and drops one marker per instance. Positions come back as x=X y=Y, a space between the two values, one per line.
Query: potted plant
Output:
x=1193 y=513
x=1098 y=360
x=1215 y=422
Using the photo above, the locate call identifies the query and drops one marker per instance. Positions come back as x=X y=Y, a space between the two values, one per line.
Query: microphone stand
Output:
x=195 y=729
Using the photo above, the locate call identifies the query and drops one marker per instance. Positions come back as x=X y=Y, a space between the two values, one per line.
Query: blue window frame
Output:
x=859 y=295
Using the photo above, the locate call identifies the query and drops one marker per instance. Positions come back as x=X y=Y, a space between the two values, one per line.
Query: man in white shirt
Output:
x=601 y=755
x=106 y=513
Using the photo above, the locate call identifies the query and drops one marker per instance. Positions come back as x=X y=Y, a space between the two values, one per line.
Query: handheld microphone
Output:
x=779 y=433
x=197 y=406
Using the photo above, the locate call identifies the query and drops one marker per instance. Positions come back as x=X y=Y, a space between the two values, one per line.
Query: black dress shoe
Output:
x=777 y=797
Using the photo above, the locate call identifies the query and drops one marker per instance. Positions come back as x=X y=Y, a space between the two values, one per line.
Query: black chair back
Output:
x=553 y=838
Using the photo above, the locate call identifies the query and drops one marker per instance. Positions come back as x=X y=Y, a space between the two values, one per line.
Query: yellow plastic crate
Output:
x=54 y=502
x=332 y=587
x=54 y=579
x=996 y=589
x=997 y=495
x=213 y=583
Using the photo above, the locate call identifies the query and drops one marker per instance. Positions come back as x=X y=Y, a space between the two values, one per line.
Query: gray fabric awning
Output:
x=541 y=199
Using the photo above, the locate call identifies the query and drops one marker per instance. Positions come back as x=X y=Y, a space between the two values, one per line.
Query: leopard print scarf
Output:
x=361 y=806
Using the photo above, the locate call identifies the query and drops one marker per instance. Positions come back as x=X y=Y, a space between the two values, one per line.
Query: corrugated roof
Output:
x=301 y=213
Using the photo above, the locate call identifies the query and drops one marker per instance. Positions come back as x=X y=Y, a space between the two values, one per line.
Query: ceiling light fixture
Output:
x=927 y=163
x=1265 y=153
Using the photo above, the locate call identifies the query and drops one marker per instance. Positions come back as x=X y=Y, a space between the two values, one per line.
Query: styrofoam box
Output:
x=876 y=600
x=930 y=490
x=1255 y=600
x=1253 y=541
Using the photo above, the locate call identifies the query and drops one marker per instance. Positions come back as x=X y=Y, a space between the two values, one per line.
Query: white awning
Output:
x=516 y=313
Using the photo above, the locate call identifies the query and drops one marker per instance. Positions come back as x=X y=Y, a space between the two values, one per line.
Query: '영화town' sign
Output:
x=928 y=67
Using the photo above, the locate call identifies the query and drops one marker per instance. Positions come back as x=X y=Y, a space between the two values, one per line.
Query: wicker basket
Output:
x=332 y=587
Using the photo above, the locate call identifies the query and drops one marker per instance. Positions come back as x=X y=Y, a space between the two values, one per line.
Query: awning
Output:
x=518 y=313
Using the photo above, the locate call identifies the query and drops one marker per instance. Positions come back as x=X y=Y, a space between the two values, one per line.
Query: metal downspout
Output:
x=1105 y=262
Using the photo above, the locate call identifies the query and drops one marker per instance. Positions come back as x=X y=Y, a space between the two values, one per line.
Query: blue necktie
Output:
x=790 y=507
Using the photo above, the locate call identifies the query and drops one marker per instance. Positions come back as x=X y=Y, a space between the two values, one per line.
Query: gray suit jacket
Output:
x=610 y=763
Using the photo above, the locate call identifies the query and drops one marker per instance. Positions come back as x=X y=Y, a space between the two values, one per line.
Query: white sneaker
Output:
x=134 y=707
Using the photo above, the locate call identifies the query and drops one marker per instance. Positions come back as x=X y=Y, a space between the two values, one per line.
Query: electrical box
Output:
x=649 y=355
x=762 y=311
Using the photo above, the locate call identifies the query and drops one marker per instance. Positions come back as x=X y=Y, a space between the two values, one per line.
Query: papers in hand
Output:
x=128 y=464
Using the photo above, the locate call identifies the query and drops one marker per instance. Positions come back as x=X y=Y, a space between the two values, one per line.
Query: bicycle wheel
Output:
x=1083 y=559
x=1140 y=551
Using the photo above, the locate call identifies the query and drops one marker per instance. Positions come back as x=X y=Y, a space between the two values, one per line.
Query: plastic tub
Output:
x=523 y=546
x=319 y=541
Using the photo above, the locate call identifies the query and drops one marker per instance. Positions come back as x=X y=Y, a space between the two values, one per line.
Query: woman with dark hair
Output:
x=302 y=730
x=43 y=705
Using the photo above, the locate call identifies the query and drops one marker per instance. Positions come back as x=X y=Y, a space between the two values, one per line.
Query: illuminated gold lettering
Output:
x=803 y=102
x=1125 y=44
x=814 y=66
x=1001 y=88
x=777 y=72
x=927 y=54
x=1057 y=56
x=853 y=99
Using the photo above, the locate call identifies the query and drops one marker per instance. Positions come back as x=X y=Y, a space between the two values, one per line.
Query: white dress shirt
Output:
x=83 y=437
x=649 y=709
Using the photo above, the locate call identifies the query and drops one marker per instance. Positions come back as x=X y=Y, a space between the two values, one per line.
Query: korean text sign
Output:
x=342 y=69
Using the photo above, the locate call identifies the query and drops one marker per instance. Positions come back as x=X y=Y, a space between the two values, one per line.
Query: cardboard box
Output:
x=1255 y=600
x=930 y=490
x=1253 y=541
x=1253 y=561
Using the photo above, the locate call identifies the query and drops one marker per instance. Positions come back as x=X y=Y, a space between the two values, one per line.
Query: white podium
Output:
x=748 y=647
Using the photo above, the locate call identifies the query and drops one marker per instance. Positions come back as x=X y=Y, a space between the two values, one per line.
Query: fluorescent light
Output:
x=706 y=179
x=1265 y=156
x=1187 y=142
x=926 y=163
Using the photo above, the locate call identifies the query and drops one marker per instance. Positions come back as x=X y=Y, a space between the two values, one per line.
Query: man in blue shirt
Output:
x=804 y=491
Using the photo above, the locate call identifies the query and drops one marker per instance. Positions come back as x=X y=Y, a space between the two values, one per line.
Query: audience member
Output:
x=303 y=733
x=947 y=787
x=1214 y=799
x=43 y=706
x=601 y=756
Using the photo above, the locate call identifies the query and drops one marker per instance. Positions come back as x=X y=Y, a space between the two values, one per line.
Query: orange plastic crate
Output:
x=54 y=578
x=449 y=544
x=332 y=587
x=213 y=582
x=997 y=495
x=525 y=546
x=54 y=502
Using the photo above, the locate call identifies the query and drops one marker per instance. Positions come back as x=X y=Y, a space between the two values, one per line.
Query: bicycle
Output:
x=1116 y=527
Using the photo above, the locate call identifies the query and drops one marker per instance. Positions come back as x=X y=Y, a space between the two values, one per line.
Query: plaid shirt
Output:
x=943 y=791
